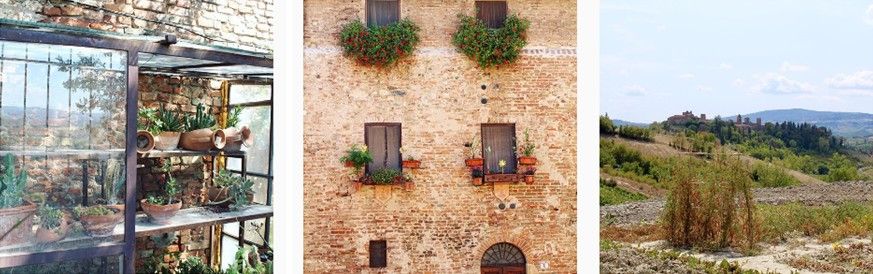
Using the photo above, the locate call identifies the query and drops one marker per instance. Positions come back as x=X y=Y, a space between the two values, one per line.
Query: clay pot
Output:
x=528 y=179
x=408 y=186
x=20 y=216
x=215 y=194
x=527 y=161
x=349 y=164
x=477 y=181
x=45 y=236
x=102 y=225
x=411 y=164
x=167 y=140
x=199 y=140
x=160 y=214
x=474 y=162
x=357 y=185
x=232 y=139
x=145 y=141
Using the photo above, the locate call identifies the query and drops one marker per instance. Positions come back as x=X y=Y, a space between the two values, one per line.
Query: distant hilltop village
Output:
x=741 y=122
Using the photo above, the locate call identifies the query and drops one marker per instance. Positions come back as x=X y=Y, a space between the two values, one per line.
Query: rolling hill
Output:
x=847 y=124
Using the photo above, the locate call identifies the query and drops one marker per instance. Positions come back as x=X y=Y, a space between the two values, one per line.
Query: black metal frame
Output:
x=16 y=33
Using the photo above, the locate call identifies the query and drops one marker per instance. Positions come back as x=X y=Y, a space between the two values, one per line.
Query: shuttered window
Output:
x=498 y=143
x=383 y=142
x=493 y=13
x=378 y=253
x=382 y=12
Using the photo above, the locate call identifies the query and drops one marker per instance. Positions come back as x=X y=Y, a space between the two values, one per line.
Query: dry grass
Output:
x=632 y=234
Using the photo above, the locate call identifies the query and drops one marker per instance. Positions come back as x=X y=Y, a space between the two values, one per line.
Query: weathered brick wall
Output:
x=445 y=224
x=238 y=23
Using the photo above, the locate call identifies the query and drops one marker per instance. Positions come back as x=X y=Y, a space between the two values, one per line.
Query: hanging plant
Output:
x=491 y=47
x=379 y=46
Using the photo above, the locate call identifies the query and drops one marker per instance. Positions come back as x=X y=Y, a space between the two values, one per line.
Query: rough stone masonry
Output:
x=445 y=224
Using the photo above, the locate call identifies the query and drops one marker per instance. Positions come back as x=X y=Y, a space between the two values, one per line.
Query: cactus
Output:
x=202 y=119
x=169 y=121
x=11 y=186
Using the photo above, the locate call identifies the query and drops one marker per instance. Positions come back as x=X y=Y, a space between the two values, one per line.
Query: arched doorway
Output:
x=503 y=258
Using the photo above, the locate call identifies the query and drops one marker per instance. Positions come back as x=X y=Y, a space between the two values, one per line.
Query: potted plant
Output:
x=410 y=161
x=491 y=47
x=529 y=175
x=198 y=133
x=408 y=185
x=145 y=141
x=356 y=158
x=99 y=220
x=248 y=261
x=145 y=126
x=379 y=46
x=527 y=151
x=477 y=175
x=230 y=191
x=473 y=154
x=160 y=209
x=15 y=211
x=500 y=175
x=386 y=176
x=169 y=128
x=231 y=138
x=194 y=265
x=52 y=225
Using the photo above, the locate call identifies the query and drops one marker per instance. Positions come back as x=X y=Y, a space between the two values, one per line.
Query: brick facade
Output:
x=445 y=224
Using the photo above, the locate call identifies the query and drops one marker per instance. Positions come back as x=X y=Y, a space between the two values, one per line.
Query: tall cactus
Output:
x=12 y=186
x=202 y=119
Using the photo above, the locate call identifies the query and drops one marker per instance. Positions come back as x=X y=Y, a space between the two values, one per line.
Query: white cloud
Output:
x=686 y=76
x=739 y=82
x=704 y=88
x=868 y=16
x=789 y=67
x=635 y=90
x=860 y=80
x=773 y=83
x=725 y=66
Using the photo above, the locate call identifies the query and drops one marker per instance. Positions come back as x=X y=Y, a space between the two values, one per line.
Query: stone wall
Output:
x=445 y=224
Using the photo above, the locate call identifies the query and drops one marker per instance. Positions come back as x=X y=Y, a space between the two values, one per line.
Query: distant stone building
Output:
x=685 y=117
x=744 y=124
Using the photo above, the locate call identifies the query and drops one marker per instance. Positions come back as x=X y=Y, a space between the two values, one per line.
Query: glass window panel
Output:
x=13 y=50
x=111 y=264
x=232 y=69
x=47 y=110
x=149 y=60
x=249 y=93
x=257 y=155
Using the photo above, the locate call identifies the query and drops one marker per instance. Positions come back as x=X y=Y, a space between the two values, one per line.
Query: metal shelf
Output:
x=78 y=154
x=182 y=153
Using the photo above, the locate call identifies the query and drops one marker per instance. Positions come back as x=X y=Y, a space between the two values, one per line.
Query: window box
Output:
x=503 y=178
x=411 y=164
x=474 y=162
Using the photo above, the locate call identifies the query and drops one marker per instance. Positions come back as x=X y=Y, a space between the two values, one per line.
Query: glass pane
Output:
x=148 y=60
x=62 y=121
x=231 y=69
x=257 y=155
x=249 y=93
x=111 y=264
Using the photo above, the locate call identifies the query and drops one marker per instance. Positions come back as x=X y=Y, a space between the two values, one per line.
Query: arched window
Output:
x=503 y=254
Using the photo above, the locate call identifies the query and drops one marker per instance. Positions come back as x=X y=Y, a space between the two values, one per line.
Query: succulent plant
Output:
x=12 y=186
x=201 y=119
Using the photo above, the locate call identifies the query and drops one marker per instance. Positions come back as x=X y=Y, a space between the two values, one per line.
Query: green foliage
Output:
x=12 y=186
x=248 y=262
x=148 y=117
x=168 y=121
x=767 y=175
x=828 y=222
x=384 y=176
x=171 y=186
x=841 y=168
x=606 y=125
x=95 y=210
x=194 y=265
x=491 y=47
x=527 y=148
x=620 y=160
x=379 y=46
x=233 y=116
x=635 y=133
x=201 y=119
x=613 y=195
x=696 y=214
x=49 y=217
x=156 y=200
x=359 y=156
x=238 y=188
x=695 y=142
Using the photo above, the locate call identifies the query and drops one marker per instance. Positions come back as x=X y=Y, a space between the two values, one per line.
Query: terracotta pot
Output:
x=102 y=225
x=44 y=235
x=160 y=214
x=502 y=178
x=349 y=164
x=411 y=164
x=357 y=185
x=200 y=140
x=408 y=186
x=527 y=161
x=167 y=140
x=145 y=141
x=474 y=162
x=528 y=179
x=20 y=216
x=233 y=139
x=477 y=181
x=215 y=194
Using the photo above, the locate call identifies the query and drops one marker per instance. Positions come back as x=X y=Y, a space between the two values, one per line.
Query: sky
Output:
x=659 y=58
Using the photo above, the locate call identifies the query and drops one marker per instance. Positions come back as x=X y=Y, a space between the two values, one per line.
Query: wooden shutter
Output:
x=501 y=139
x=382 y=12
x=383 y=142
x=378 y=253
x=493 y=13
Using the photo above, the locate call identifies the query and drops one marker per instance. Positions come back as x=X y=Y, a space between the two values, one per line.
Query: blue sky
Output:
x=660 y=58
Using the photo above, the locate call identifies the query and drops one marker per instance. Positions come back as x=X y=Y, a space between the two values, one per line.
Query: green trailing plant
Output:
x=194 y=265
x=237 y=188
x=247 y=261
x=12 y=186
x=49 y=217
x=169 y=121
x=379 y=46
x=233 y=116
x=491 y=47
x=527 y=148
x=359 y=156
x=384 y=176
x=200 y=120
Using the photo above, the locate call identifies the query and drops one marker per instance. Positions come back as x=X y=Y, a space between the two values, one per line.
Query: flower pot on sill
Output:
x=528 y=179
x=145 y=141
x=349 y=164
x=199 y=140
x=45 y=236
x=527 y=161
x=167 y=140
x=102 y=225
x=411 y=164
x=18 y=222
x=160 y=214
x=474 y=162
x=408 y=186
x=357 y=185
x=477 y=181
